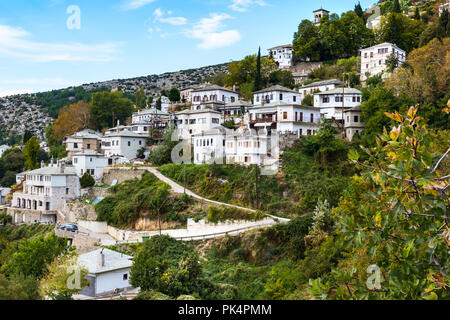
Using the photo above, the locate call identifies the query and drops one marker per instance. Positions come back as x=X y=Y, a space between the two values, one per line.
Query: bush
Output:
x=87 y=181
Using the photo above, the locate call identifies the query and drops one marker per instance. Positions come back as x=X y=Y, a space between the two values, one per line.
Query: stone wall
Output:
x=96 y=192
x=72 y=212
x=121 y=174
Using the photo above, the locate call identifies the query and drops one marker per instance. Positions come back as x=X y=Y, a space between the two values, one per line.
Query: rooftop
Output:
x=284 y=46
x=113 y=261
x=323 y=83
x=187 y=111
x=275 y=88
x=151 y=111
x=53 y=171
x=89 y=153
x=214 y=88
x=124 y=133
x=339 y=91
x=384 y=44
x=86 y=134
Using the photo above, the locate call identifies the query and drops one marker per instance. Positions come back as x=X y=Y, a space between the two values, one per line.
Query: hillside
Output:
x=34 y=112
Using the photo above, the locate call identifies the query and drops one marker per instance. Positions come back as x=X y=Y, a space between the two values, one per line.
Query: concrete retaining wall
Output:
x=94 y=226
x=121 y=174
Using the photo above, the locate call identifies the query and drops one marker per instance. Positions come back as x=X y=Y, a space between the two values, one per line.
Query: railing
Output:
x=263 y=120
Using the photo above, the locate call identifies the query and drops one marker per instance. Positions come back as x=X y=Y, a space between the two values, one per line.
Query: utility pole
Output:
x=184 y=178
x=256 y=187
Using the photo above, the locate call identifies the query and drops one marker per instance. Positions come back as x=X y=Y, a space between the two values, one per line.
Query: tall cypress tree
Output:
x=396 y=8
x=417 y=14
x=359 y=11
x=258 y=78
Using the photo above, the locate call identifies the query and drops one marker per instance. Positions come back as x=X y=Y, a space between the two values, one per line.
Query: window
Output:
x=67 y=190
x=356 y=119
x=75 y=145
x=89 y=146
x=326 y=99
x=129 y=143
x=285 y=115
x=312 y=117
x=281 y=97
x=215 y=120
x=125 y=276
x=301 y=116
x=295 y=99
x=90 y=159
x=75 y=160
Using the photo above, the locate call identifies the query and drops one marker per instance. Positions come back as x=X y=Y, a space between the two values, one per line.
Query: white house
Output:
x=352 y=122
x=333 y=103
x=248 y=147
x=318 y=15
x=190 y=122
x=374 y=59
x=45 y=191
x=213 y=94
x=443 y=7
x=285 y=118
x=124 y=143
x=83 y=140
x=209 y=146
x=319 y=86
x=91 y=162
x=283 y=55
x=165 y=104
x=3 y=148
x=276 y=94
x=3 y=193
x=234 y=110
x=374 y=19
x=108 y=272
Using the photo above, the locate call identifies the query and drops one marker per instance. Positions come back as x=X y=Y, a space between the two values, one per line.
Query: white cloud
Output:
x=14 y=43
x=243 y=5
x=176 y=21
x=136 y=4
x=207 y=30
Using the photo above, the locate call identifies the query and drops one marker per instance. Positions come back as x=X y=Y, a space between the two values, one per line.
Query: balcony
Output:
x=264 y=120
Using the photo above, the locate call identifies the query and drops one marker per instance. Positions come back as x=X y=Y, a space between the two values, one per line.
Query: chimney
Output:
x=62 y=166
x=234 y=87
x=42 y=164
x=101 y=259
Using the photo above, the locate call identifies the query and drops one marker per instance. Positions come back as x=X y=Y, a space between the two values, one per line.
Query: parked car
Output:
x=70 y=227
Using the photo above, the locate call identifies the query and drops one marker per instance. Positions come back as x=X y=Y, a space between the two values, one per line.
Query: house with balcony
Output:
x=319 y=86
x=333 y=103
x=278 y=108
x=44 y=193
x=283 y=55
x=209 y=146
x=212 y=95
x=374 y=59
x=234 y=111
x=81 y=141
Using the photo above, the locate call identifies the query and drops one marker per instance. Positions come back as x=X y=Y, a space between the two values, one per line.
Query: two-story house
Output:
x=212 y=94
x=81 y=141
x=333 y=103
x=91 y=162
x=374 y=59
x=123 y=143
x=44 y=193
x=319 y=86
x=190 y=122
x=352 y=122
x=283 y=55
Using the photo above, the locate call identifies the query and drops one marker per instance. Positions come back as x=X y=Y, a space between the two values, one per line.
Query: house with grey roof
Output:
x=333 y=103
x=108 y=272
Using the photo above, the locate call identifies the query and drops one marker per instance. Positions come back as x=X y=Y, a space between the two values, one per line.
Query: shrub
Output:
x=87 y=181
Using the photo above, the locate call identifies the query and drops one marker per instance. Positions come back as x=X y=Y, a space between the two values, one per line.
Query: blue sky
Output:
x=130 y=38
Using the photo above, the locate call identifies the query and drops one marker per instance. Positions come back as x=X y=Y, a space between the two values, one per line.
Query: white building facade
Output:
x=108 y=272
x=45 y=191
x=320 y=86
x=123 y=143
x=283 y=56
x=190 y=122
x=212 y=94
x=333 y=103
x=91 y=162
x=374 y=59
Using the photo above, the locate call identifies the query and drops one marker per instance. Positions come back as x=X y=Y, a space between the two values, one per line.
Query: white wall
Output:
x=109 y=281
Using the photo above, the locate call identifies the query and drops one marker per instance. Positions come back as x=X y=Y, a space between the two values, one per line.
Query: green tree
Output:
x=30 y=154
x=283 y=78
x=417 y=14
x=359 y=12
x=307 y=44
x=398 y=223
x=174 y=95
x=106 y=106
x=87 y=181
x=258 y=78
x=27 y=136
x=141 y=99
x=396 y=7
x=32 y=256
x=59 y=274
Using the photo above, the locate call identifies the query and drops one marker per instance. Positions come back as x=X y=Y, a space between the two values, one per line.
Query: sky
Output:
x=54 y=44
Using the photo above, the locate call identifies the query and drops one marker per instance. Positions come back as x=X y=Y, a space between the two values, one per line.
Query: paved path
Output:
x=180 y=189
